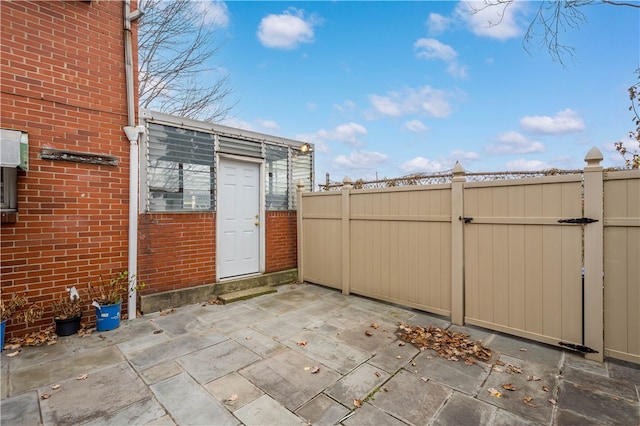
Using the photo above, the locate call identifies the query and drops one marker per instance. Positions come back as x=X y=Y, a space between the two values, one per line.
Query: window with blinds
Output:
x=277 y=177
x=180 y=171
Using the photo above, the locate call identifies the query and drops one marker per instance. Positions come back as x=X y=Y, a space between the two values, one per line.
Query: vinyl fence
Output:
x=528 y=257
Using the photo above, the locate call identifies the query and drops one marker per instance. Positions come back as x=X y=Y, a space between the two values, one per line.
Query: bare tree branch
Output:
x=175 y=48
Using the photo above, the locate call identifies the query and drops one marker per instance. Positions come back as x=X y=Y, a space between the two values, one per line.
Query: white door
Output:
x=238 y=218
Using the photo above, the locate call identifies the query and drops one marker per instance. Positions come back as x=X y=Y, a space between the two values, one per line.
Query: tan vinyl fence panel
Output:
x=522 y=268
x=401 y=246
x=322 y=232
x=621 y=264
x=554 y=258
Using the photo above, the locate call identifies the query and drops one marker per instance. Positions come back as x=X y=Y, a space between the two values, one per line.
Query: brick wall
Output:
x=176 y=250
x=282 y=248
x=62 y=81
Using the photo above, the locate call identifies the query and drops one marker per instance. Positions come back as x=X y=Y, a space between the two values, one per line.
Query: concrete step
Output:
x=246 y=294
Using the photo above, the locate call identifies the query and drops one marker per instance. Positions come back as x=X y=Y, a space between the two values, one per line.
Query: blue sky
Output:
x=386 y=89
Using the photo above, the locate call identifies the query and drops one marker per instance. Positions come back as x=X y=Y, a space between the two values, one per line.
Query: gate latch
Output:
x=578 y=220
x=579 y=348
x=465 y=219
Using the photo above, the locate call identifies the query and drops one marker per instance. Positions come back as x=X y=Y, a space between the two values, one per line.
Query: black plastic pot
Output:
x=67 y=327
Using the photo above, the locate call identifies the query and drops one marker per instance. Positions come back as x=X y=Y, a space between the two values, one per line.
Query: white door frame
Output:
x=261 y=206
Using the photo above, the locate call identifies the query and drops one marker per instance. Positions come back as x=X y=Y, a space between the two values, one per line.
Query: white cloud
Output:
x=522 y=165
x=347 y=105
x=422 y=165
x=367 y=160
x=514 y=143
x=270 y=124
x=566 y=121
x=462 y=157
x=502 y=21
x=348 y=133
x=215 y=13
x=415 y=126
x=430 y=48
x=458 y=71
x=240 y=124
x=437 y=24
x=286 y=31
x=425 y=100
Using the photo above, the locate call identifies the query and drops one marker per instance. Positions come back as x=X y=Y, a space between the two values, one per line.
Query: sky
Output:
x=387 y=89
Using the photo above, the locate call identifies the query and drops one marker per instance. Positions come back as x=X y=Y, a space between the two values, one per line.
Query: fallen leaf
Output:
x=399 y=357
x=357 y=403
x=553 y=401
x=498 y=369
x=384 y=388
x=523 y=349
x=315 y=370
x=307 y=368
x=498 y=362
x=83 y=377
x=232 y=398
x=544 y=388
x=527 y=399
x=55 y=387
x=413 y=364
x=302 y=343
x=424 y=379
x=155 y=332
x=45 y=396
x=12 y=354
x=374 y=325
x=378 y=374
x=509 y=387
x=401 y=344
x=534 y=378
x=368 y=333
x=248 y=338
x=494 y=392
x=11 y=347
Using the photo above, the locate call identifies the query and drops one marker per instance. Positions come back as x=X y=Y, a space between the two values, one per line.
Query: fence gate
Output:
x=523 y=245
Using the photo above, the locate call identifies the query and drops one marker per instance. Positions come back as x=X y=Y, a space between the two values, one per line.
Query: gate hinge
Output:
x=579 y=348
x=465 y=219
x=578 y=220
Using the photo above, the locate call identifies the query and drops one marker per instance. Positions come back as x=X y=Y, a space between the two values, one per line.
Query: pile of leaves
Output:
x=447 y=344
x=38 y=338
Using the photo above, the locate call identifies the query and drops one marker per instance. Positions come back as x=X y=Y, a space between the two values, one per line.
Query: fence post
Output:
x=346 y=235
x=299 y=191
x=457 y=245
x=593 y=256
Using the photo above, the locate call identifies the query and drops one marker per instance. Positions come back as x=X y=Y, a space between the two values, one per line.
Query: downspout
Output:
x=133 y=133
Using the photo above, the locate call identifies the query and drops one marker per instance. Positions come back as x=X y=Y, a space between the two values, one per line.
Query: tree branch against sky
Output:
x=176 y=45
x=554 y=18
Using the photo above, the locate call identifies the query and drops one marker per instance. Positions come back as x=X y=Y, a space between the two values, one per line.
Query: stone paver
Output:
x=102 y=393
x=358 y=384
x=409 y=398
x=322 y=411
x=286 y=376
x=216 y=361
x=190 y=404
x=252 y=362
x=234 y=391
x=266 y=411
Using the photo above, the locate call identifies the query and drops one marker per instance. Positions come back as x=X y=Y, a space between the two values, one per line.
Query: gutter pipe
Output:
x=133 y=133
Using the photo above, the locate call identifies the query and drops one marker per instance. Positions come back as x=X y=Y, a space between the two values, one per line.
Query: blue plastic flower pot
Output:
x=2 y=325
x=108 y=317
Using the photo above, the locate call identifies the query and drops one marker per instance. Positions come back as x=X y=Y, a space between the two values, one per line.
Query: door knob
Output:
x=257 y=223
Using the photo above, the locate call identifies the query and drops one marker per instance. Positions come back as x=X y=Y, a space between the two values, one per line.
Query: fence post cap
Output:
x=593 y=157
x=300 y=185
x=458 y=169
